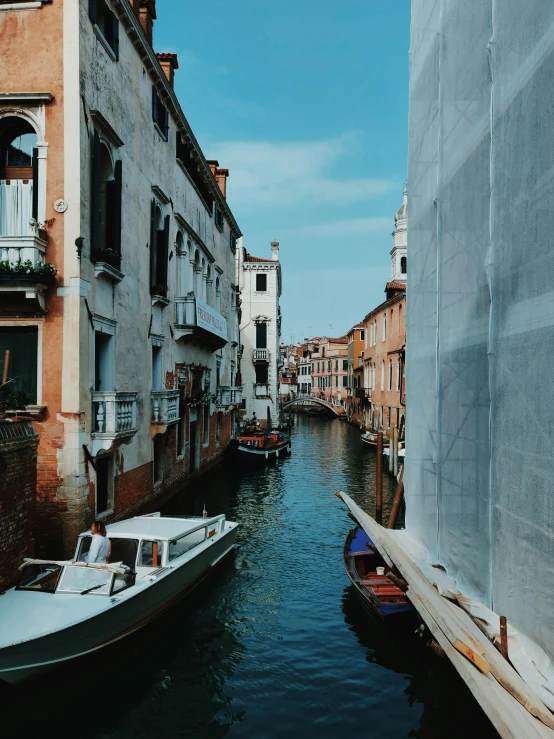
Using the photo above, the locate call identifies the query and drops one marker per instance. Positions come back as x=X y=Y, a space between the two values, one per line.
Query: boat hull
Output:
x=264 y=454
x=124 y=616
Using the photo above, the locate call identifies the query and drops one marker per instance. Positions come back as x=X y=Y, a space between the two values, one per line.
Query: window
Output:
x=323 y=352
x=177 y=547
x=103 y=361
x=383 y=375
x=384 y=327
x=105 y=205
x=218 y=217
x=106 y=22
x=233 y=242
x=398 y=370
x=328 y=365
x=104 y=484
x=362 y=335
x=390 y=375
x=151 y=553
x=18 y=176
x=262 y=375
x=22 y=343
x=160 y=116
x=261 y=283
x=159 y=245
x=403 y=265
x=158 y=459
x=206 y=424
x=336 y=365
x=345 y=381
x=157 y=368
x=261 y=335
x=217 y=295
x=336 y=380
x=345 y=365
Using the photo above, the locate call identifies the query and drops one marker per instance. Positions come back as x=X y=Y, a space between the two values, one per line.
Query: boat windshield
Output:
x=41 y=577
x=79 y=579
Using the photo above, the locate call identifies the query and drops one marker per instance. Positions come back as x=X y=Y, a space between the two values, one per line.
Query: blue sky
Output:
x=306 y=103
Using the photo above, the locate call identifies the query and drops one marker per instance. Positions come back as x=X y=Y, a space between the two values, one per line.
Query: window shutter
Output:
x=115 y=36
x=95 y=196
x=35 y=184
x=154 y=104
x=165 y=251
x=92 y=13
x=166 y=123
x=153 y=244
x=114 y=195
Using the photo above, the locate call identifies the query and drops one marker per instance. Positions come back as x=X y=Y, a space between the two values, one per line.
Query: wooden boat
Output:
x=257 y=443
x=316 y=411
x=62 y=610
x=371 y=439
x=401 y=450
x=378 y=594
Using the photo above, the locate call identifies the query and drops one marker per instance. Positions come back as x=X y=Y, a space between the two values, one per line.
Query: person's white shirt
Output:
x=99 y=550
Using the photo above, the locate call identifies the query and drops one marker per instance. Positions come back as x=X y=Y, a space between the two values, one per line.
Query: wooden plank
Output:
x=510 y=719
x=472 y=656
x=452 y=620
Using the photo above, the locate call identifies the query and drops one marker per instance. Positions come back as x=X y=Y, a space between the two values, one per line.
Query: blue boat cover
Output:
x=359 y=542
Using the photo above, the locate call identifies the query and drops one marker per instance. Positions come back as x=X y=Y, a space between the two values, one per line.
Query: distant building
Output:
x=356 y=391
x=259 y=282
x=330 y=370
x=382 y=395
x=288 y=372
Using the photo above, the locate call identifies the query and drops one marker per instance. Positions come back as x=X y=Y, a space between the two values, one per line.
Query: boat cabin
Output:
x=140 y=547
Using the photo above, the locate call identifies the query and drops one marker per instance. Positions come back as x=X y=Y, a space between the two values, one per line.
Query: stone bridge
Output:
x=338 y=410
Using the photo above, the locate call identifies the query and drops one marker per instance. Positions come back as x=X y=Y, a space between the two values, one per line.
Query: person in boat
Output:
x=100 y=547
x=254 y=421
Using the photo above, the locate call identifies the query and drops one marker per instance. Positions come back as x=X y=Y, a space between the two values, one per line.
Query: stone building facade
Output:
x=259 y=281
x=128 y=354
x=330 y=370
x=356 y=390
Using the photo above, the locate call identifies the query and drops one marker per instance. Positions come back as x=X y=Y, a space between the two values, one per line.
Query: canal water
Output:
x=273 y=644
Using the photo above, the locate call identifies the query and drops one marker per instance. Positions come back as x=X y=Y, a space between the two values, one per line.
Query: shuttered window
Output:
x=160 y=116
x=22 y=343
x=159 y=247
x=105 y=21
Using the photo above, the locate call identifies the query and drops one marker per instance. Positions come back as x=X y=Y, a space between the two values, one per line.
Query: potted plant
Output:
x=109 y=256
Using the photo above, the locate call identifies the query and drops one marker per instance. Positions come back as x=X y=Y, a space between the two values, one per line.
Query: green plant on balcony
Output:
x=202 y=399
x=33 y=269
x=12 y=399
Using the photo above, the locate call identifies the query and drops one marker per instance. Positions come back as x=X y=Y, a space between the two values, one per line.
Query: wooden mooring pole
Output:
x=396 y=503
x=6 y=371
x=395 y=451
x=379 y=480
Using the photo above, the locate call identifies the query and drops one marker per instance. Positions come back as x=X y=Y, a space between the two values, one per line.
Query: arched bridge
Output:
x=338 y=410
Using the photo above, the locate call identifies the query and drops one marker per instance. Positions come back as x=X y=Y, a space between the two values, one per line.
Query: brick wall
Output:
x=48 y=523
x=18 y=477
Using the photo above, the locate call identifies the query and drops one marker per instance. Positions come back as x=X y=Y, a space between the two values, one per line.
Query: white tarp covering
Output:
x=480 y=314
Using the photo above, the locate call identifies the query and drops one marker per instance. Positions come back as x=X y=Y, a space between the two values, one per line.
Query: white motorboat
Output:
x=401 y=450
x=62 y=610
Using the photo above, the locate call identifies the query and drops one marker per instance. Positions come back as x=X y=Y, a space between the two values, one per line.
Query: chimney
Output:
x=136 y=8
x=275 y=250
x=220 y=175
x=147 y=16
x=169 y=63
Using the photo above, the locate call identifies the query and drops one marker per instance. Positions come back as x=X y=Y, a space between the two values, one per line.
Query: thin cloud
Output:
x=349 y=227
x=293 y=173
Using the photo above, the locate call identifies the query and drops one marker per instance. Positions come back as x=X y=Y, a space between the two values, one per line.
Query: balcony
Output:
x=261 y=391
x=165 y=410
x=114 y=419
x=199 y=323
x=228 y=396
x=260 y=355
x=23 y=273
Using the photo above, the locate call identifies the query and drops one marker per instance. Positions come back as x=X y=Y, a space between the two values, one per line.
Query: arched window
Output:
x=159 y=246
x=204 y=278
x=398 y=370
x=384 y=326
x=182 y=265
x=18 y=176
x=197 y=275
x=383 y=375
x=403 y=265
x=105 y=205
x=209 y=284
x=390 y=375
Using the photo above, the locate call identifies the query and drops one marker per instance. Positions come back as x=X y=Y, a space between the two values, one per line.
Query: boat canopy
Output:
x=157 y=527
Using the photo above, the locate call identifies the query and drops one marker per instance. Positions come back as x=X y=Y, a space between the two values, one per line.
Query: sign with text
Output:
x=210 y=320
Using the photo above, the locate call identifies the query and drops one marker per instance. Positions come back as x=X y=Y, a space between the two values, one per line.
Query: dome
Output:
x=401 y=217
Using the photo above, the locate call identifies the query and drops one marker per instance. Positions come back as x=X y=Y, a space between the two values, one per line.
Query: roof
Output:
x=155 y=526
x=250 y=258
x=386 y=303
x=340 y=340
x=394 y=286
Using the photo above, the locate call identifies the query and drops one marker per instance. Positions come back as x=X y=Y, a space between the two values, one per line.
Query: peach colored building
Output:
x=330 y=370
x=118 y=300
x=356 y=343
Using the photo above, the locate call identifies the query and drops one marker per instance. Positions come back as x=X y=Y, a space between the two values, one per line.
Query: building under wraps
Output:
x=480 y=315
